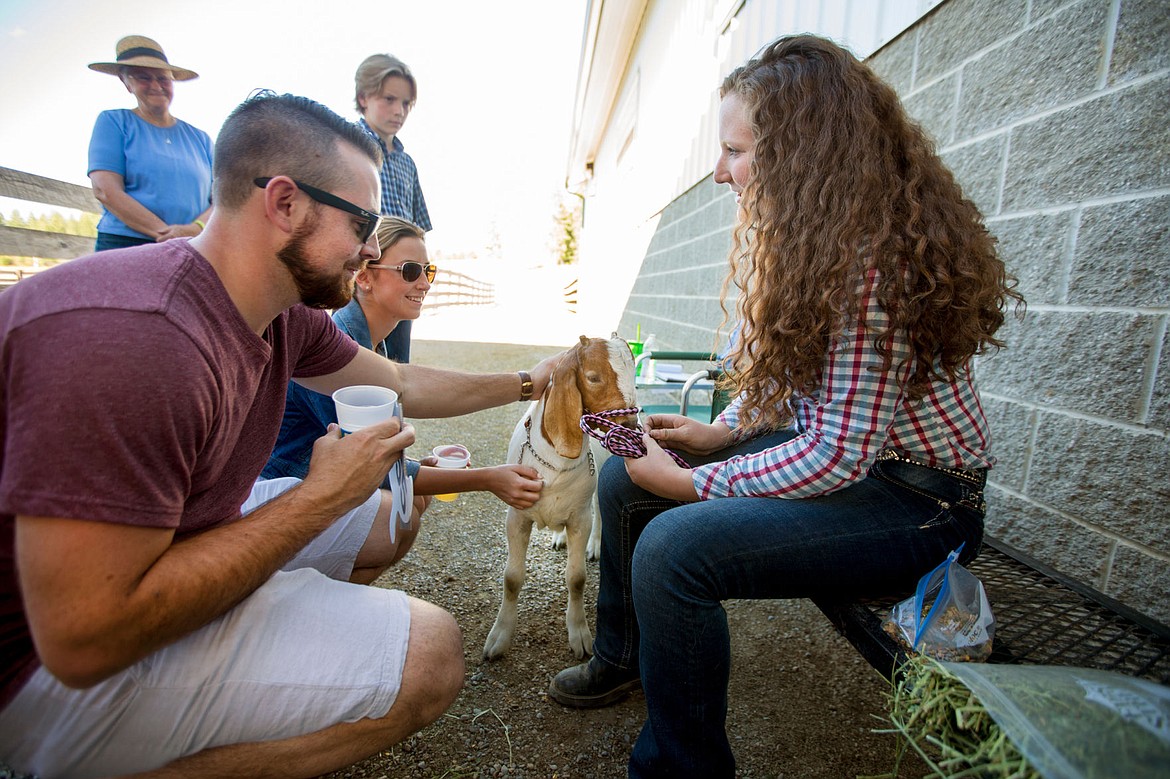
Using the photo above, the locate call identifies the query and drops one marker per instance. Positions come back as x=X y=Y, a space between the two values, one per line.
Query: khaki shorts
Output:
x=302 y=653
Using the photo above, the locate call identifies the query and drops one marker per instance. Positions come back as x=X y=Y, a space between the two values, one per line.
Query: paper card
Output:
x=401 y=486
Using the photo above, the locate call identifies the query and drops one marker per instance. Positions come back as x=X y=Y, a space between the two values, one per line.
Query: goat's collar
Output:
x=529 y=447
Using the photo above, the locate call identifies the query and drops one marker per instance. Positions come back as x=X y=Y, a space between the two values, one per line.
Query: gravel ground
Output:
x=802 y=702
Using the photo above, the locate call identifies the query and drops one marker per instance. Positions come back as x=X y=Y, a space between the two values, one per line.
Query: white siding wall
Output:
x=660 y=138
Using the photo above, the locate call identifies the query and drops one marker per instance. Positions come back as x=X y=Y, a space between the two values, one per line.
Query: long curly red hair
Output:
x=844 y=184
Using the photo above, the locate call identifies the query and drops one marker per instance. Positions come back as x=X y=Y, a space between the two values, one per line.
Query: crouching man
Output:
x=146 y=627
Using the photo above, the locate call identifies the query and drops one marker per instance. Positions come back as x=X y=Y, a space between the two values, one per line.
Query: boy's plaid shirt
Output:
x=401 y=193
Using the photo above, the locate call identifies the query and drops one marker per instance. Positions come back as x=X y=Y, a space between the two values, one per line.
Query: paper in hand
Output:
x=401 y=489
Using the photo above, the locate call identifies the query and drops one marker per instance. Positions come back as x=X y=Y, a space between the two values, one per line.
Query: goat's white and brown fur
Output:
x=596 y=375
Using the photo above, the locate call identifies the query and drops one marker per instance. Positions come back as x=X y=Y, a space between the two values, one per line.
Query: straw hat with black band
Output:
x=140 y=51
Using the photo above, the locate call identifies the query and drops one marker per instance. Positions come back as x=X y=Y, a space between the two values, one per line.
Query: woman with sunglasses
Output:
x=386 y=292
x=150 y=171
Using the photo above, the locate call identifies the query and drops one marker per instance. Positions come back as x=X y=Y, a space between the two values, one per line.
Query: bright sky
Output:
x=490 y=131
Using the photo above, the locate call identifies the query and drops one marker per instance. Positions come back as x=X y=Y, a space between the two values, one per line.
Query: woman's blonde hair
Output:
x=393 y=229
x=844 y=185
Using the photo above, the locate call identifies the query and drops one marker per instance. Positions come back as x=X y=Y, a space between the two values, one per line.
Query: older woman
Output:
x=150 y=171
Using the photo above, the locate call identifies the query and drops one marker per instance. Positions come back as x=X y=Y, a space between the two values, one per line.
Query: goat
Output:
x=596 y=375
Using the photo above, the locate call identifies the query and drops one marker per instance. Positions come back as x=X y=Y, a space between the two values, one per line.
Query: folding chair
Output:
x=673 y=386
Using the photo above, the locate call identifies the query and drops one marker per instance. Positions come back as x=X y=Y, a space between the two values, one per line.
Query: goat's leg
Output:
x=593 y=548
x=580 y=637
x=499 y=640
x=558 y=539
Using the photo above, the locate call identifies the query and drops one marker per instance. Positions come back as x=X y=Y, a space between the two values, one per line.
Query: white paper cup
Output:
x=451 y=456
x=363 y=405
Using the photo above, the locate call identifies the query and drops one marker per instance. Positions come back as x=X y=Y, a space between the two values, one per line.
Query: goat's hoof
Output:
x=582 y=646
x=496 y=645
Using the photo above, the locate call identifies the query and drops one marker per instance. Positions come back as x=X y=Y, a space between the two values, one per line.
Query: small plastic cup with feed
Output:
x=451 y=456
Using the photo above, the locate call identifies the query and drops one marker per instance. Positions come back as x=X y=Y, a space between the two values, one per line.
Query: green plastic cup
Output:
x=636 y=348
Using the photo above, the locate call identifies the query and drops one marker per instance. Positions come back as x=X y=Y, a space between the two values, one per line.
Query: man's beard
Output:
x=316 y=288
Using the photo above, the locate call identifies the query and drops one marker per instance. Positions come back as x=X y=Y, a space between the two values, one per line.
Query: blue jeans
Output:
x=666 y=566
x=107 y=241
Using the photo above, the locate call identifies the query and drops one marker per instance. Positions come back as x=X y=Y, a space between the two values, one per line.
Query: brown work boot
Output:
x=592 y=685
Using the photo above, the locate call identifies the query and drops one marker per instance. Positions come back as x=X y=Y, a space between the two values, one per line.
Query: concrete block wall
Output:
x=676 y=294
x=1053 y=116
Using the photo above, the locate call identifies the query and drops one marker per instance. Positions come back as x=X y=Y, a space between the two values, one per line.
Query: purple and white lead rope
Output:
x=620 y=440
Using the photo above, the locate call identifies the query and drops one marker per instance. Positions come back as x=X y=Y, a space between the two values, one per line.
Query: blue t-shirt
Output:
x=308 y=413
x=166 y=169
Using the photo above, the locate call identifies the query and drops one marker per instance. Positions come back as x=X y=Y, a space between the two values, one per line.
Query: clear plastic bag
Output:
x=1077 y=723
x=948 y=617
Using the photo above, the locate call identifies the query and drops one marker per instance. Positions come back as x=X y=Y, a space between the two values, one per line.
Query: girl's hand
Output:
x=657 y=472
x=674 y=431
x=517 y=485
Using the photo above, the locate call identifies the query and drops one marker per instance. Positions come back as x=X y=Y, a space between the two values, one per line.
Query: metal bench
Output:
x=1041 y=618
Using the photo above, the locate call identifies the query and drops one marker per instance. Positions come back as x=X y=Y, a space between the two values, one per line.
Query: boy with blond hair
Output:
x=384 y=93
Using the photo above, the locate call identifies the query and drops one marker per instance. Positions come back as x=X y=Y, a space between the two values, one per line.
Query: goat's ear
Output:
x=561 y=421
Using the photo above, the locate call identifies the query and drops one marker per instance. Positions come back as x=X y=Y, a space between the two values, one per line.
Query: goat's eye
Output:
x=592 y=377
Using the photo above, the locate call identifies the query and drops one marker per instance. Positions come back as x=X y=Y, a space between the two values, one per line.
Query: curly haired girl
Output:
x=854 y=456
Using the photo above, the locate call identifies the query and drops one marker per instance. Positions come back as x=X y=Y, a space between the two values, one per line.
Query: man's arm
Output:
x=100 y=596
x=434 y=392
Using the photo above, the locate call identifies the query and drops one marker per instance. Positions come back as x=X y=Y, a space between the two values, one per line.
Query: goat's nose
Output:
x=627 y=420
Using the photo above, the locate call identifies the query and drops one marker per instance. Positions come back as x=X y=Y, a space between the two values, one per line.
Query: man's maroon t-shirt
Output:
x=133 y=391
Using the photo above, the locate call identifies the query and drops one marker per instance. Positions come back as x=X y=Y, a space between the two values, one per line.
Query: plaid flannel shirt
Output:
x=858 y=411
x=402 y=195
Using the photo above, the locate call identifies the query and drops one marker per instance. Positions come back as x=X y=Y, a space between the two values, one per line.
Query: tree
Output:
x=568 y=223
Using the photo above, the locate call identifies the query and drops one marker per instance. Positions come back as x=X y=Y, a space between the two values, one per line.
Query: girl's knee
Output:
x=668 y=558
x=421 y=502
x=404 y=540
x=655 y=559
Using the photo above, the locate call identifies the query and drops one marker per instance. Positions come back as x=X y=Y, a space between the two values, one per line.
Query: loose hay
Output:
x=941 y=719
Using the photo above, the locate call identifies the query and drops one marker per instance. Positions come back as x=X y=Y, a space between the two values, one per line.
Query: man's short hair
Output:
x=375 y=69
x=282 y=135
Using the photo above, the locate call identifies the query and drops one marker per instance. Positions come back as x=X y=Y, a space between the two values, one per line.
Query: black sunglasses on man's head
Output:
x=329 y=199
